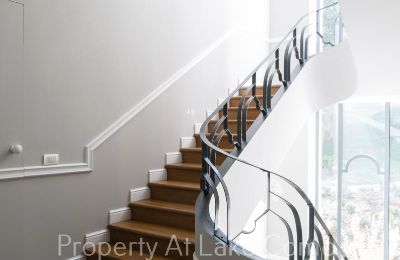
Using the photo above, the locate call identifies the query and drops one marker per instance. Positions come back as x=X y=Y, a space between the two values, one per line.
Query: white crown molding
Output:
x=87 y=165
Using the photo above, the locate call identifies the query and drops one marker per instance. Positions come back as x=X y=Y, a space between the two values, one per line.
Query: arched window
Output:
x=359 y=177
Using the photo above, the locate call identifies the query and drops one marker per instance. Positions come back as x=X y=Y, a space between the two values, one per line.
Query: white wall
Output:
x=88 y=62
x=372 y=27
x=84 y=57
x=284 y=14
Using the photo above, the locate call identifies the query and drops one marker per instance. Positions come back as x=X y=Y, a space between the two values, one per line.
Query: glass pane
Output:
x=329 y=23
x=328 y=187
x=394 y=208
x=363 y=184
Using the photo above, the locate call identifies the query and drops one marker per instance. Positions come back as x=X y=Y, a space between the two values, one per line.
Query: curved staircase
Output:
x=163 y=226
x=170 y=211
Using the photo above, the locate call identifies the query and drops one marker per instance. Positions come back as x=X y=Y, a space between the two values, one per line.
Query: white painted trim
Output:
x=87 y=165
x=98 y=236
x=158 y=91
x=157 y=175
x=36 y=171
x=175 y=157
x=209 y=112
x=118 y=215
x=139 y=194
x=79 y=257
x=188 y=142
x=197 y=127
x=220 y=100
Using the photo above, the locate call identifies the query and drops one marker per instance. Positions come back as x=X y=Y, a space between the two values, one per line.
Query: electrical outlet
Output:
x=51 y=159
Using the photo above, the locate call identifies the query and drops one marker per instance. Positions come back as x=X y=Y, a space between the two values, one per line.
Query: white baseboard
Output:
x=157 y=175
x=118 y=215
x=197 y=127
x=188 y=142
x=139 y=194
x=98 y=236
x=175 y=157
x=78 y=257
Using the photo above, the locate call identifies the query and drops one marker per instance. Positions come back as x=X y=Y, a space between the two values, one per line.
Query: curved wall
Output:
x=326 y=79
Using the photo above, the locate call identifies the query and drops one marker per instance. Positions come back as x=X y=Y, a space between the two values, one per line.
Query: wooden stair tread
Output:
x=154 y=230
x=258 y=87
x=123 y=254
x=198 y=149
x=165 y=205
x=208 y=134
x=233 y=120
x=177 y=185
x=239 y=97
x=190 y=166
x=249 y=108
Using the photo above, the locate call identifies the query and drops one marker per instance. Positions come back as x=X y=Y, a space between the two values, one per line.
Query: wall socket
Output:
x=51 y=159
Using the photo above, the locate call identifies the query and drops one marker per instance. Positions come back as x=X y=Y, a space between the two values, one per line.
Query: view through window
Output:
x=355 y=178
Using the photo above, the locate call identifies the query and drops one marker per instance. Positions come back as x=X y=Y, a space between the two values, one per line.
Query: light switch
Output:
x=51 y=159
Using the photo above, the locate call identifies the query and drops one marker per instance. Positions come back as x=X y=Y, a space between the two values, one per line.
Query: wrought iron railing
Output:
x=295 y=53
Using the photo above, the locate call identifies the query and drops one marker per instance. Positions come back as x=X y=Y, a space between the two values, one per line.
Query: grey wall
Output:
x=85 y=64
x=82 y=57
x=11 y=57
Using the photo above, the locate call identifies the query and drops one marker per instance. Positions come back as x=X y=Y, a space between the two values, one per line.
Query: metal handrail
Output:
x=210 y=147
x=227 y=99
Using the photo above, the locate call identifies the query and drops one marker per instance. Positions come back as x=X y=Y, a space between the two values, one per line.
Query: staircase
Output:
x=170 y=211
x=308 y=237
x=163 y=226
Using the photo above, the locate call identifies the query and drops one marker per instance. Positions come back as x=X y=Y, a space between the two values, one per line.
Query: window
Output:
x=359 y=194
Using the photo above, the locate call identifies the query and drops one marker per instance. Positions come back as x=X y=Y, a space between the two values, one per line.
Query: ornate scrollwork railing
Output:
x=295 y=55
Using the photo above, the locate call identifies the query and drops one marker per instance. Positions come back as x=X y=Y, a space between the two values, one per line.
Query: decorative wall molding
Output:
x=36 y=171
x=87 y=165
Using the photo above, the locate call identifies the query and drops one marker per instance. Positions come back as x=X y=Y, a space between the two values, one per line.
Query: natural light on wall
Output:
x=359 y=189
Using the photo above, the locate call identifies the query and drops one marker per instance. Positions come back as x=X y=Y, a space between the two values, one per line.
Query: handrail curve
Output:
x=213 y=176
